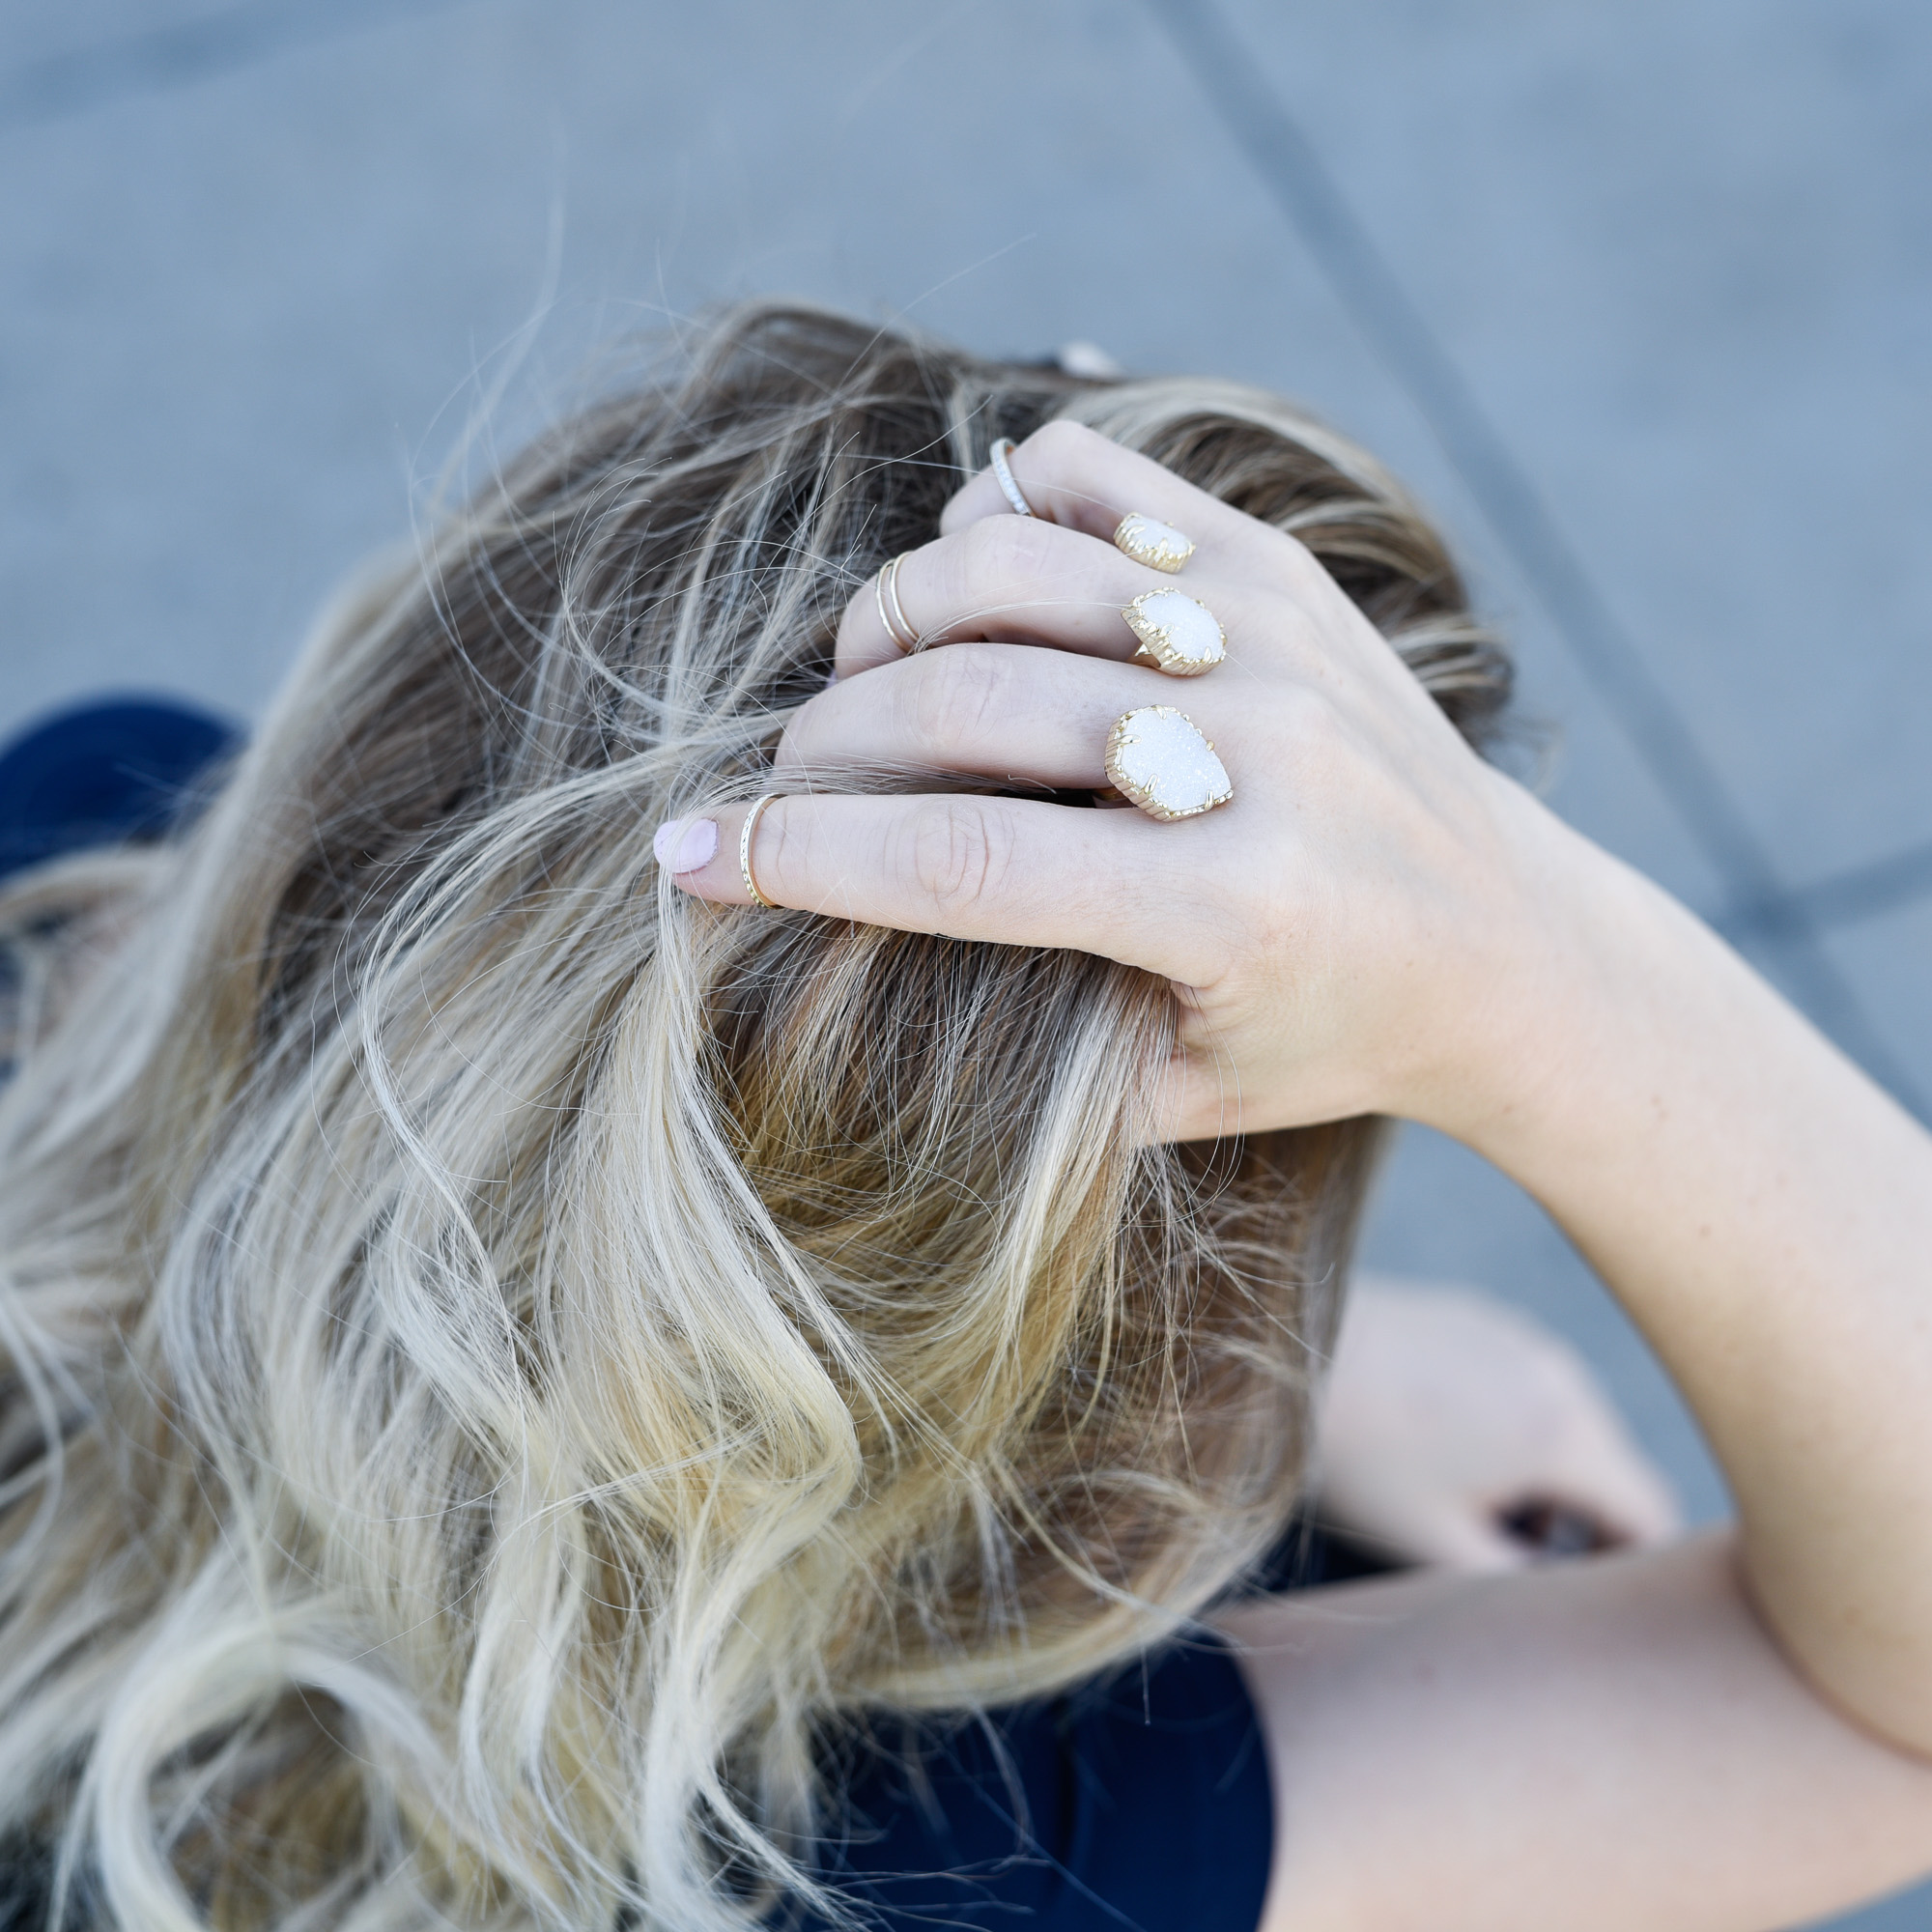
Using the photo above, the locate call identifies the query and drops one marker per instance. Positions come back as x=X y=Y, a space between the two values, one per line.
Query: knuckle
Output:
x=1311 y=723
x=1061 y=441
x=958 y=855
x=953 y=694
x=806 y=731
x=783 y=858
x=1001 y=548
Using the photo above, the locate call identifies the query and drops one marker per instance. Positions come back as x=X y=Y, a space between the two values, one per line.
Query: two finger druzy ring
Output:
x=1176 y=634
x=1159 y=759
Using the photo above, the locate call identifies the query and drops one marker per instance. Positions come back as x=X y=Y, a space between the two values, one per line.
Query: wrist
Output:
x=1583 y=970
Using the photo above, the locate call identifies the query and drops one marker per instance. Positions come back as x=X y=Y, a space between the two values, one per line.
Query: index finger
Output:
x=1074 y=477
x=1013 y=871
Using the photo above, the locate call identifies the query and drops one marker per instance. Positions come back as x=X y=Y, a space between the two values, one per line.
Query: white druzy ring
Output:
x=1158 y=757
x=1176 y=634
x=1150 y=541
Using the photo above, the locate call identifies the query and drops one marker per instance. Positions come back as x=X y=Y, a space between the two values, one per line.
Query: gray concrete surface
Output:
x=1635 y=296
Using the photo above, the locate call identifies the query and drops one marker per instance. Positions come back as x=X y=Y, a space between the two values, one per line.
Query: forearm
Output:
x=1766 y=1214
x=1591 y=1745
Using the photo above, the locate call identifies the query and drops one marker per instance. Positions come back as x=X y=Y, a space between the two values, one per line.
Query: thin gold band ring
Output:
x=744 y=832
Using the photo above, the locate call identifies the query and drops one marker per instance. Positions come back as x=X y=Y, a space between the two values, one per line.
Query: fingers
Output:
x=992 y=711
x=1058 y=578
x=1012 y=579
x=1461 y=1429
x=1597 y=1490
x=1080 y=480
x=1591 y=1463
x=1007 y=870
x=1604 y=1474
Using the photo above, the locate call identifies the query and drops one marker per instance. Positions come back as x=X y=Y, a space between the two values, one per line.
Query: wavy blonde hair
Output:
x=502 y=1361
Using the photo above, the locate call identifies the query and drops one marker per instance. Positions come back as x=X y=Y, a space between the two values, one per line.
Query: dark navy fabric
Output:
x=114 y=770
x=1137 y=1804
x=1140 y=1805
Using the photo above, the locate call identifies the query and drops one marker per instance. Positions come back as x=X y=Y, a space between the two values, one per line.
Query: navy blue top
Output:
x=1137 y=1804
x=125 y=768
x=1141 y=1803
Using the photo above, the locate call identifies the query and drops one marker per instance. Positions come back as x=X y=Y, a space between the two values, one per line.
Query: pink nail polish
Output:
x=684 y=844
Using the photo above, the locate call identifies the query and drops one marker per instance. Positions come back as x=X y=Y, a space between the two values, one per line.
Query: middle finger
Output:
x=1003 y=712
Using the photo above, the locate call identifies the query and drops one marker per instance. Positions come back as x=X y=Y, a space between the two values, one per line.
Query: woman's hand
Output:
x=1458 y=1434
x=1344 y=936
x=1380 y=923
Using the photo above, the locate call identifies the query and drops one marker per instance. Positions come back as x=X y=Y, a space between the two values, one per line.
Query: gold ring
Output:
x=1149 y=541
x=745 y=832
x=892 y=613
x=1159 y=758
x=1003 y=470
x=1177 y=634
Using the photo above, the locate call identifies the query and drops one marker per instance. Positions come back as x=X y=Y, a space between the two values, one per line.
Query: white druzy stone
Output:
x=1181 y=634
x=1150 y=541
x=1158 y=757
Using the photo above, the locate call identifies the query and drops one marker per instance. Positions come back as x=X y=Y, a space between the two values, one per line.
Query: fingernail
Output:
x=684 y=844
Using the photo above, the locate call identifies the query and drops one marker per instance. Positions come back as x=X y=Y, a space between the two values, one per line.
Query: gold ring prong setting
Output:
x=1150 y=541
x=1161 y=759
x=1176 y=634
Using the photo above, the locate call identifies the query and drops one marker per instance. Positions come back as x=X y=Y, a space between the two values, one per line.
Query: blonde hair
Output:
x=502 y=1361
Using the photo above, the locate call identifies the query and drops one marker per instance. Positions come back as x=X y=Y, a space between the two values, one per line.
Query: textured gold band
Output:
x=891 y=612
x=745 y=832
x=1003 y=471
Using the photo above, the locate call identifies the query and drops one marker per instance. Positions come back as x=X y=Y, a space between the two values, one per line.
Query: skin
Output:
x=1447 y=1414
x=1732 y=1732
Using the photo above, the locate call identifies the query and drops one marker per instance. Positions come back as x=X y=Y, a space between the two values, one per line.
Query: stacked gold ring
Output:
x=891 y=612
